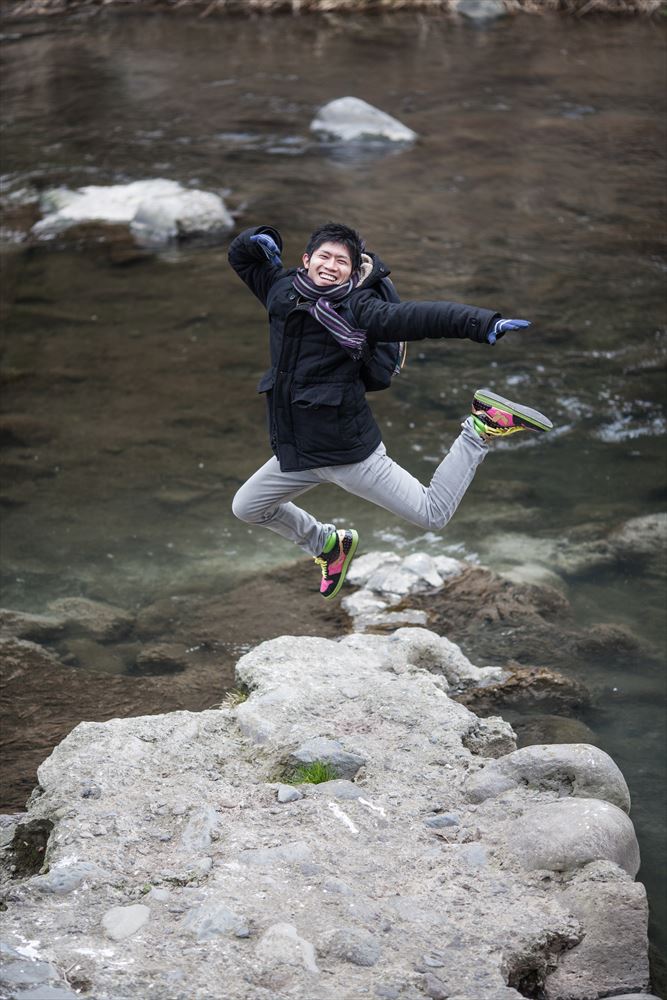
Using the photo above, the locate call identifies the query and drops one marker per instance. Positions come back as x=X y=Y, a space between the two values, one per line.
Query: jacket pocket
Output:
x=266 y=381
x=316 y=419
x=308 y=397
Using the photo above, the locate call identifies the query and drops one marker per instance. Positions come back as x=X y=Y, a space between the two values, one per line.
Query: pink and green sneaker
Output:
x=335 y=560
x=494 y=416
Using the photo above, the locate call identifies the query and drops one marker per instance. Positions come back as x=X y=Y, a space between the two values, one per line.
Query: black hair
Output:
x=336 y=232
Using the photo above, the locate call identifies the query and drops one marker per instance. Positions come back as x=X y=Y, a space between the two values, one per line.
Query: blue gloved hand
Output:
x=269 y=247
x=501 y=326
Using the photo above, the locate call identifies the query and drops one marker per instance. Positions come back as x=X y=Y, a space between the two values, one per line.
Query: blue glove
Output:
x=269 y=248
x=501 y=326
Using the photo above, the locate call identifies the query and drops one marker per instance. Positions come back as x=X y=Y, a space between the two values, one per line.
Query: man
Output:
x=326 y=320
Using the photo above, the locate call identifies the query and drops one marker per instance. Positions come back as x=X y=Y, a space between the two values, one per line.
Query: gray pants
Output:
x=266 y=497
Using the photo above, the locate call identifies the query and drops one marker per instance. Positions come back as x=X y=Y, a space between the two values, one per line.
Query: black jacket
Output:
x=317 y=408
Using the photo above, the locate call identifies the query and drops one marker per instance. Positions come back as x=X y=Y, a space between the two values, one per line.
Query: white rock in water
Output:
x=350 y=118
x=156 y=211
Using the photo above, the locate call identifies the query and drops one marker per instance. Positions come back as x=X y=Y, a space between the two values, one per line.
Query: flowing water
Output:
x=536 y=187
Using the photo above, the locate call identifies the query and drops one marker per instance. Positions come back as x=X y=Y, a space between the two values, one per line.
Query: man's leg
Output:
x=382 y=481
x=264 y=500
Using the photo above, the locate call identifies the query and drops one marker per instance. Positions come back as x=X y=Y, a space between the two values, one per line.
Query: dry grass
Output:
x=579 y=8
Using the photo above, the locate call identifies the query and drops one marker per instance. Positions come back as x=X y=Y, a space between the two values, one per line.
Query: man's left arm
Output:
x=424 y=320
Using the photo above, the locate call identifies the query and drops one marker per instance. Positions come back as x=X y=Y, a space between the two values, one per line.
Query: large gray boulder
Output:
x=566 y=769
x=189 y=873
x=567 y=834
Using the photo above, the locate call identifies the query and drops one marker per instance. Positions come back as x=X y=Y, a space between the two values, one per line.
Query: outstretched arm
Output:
x=252 y=256
x=414 y=320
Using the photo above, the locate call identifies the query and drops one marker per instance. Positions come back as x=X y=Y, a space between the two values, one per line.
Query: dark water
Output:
x=536 y=187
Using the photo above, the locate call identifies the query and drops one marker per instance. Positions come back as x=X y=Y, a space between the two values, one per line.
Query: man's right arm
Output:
x=250 y=262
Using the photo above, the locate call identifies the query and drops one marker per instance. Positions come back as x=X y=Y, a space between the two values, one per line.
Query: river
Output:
x=536 y=187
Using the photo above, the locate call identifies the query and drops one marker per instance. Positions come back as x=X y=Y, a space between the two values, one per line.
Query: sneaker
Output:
x=335 y=563
x=494 y=416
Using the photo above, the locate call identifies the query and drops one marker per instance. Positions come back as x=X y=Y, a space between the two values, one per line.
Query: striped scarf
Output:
x=322 y=307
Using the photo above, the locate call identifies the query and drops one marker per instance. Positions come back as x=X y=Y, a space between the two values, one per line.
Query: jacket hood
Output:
x=372 y=270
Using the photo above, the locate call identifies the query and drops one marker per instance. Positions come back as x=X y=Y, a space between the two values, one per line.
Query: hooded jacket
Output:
x=318 y=414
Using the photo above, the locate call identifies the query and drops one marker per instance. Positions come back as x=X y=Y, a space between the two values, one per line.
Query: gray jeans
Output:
x=266 y=497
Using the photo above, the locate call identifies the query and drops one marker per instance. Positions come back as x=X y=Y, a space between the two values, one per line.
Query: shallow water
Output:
x=536 y=187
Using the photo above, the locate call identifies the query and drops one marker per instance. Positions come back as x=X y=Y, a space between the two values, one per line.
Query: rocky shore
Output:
x=475 y=10
x=342 y=826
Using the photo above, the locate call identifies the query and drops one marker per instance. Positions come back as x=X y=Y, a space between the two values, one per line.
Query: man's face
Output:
x=330 y=264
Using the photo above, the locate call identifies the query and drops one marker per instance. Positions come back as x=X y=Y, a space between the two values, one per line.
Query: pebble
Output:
x=123 y=921
x=442 y=820
x=354 y=945
x=286 y=793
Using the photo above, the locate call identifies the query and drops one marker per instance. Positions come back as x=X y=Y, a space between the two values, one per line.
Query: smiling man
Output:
x=326 y=320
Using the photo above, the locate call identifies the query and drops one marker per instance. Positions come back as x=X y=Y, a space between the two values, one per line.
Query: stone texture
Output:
x=566 y=769
x=121 y=922
x=187 y=828
x=569 y=833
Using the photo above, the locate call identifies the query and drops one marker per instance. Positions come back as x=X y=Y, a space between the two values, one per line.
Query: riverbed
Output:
x=536 y=187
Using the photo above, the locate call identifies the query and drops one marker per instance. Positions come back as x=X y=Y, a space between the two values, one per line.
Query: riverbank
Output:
x=170 y=853
x=475 y=9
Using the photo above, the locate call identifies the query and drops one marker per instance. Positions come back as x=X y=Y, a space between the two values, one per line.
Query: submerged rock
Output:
x=156 y=211
x=349 y=118
x=93 y=618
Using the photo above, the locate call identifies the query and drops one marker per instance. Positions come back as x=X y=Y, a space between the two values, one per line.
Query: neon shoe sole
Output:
x=349 y=556
x=526 y=414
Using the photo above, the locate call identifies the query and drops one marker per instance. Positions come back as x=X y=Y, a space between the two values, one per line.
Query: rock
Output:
x=19 y=970
x=534 y=729
x=339 y=789
x=566 y=769
x=442 y=821
x=349 y=118
x=95 y=656
x=62 y=879
x=187 y=823
x=93 y=618
x=436 y=653
x=287 y=793
x=331 y=752
x=616 y=920
x=19 y=654
x=525 y=689
x=355 y=945
x=642 y=538
x=286 y=854
x=570 y=833
x=156 y=211
x=213 y=919
x=491 y=737
x=481 y=10
x=121 y=922
x=162 y=658
x=282 y=945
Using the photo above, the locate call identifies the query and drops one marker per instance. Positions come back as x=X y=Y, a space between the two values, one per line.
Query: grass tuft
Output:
x=311 y=774
x=234 y=697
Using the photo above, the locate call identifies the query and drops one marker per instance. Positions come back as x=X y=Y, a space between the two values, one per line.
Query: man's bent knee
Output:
x=246 y=510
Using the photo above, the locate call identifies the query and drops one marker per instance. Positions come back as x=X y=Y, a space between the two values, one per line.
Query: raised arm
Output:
x=250 y=259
